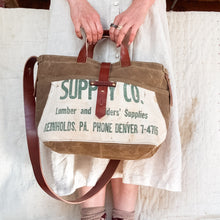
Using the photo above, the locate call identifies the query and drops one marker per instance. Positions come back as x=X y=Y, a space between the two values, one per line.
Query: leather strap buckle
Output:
x=103 y=85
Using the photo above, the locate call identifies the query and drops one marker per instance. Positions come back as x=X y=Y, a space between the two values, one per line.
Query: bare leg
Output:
x=124 y=195
x=93 y=208
x=96 y=201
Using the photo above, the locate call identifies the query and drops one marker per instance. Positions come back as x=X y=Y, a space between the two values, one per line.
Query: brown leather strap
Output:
x=33 y=141
x=125 y=59
x=102 y=90
x=87 y=51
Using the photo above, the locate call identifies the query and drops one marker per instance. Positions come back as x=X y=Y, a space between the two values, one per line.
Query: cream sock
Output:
x=92 y=213
x=124 y=215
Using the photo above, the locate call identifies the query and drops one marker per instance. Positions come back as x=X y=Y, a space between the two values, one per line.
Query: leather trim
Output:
x=102 y=83
x=87 y=51
x=33 y=141
x=125 y=59
x=102 y=90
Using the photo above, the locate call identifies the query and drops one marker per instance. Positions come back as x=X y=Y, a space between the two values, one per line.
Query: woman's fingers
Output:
x=77 y=29
x=111 y=33
x=85 y=16
x=99 y=30
x=132 y=34
x=96 y=28
x=112 y=30
x=128 y=22
x=85 y=25
x=94 y=33
x=121 y=33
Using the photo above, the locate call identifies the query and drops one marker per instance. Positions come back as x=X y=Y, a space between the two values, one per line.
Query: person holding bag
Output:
x=125 y=24
x=142 y=26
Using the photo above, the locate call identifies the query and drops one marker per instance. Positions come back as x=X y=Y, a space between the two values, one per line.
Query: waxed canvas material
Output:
x=150 y=76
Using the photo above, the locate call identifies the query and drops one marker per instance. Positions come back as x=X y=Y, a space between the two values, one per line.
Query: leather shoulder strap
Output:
x=33 y=141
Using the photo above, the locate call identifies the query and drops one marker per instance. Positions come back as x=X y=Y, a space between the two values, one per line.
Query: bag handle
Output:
x=33 y=141
x=87 y=51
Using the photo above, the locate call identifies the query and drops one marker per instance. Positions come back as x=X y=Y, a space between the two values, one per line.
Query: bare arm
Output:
x=85 y=16
x=130 y=20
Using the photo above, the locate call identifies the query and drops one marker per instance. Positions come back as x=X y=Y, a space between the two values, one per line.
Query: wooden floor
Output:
x=43 y=4
x=175 y=5
x=193 y=5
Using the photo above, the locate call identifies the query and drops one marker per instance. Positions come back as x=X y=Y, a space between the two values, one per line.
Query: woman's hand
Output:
x=130 y=21
x=85 y=16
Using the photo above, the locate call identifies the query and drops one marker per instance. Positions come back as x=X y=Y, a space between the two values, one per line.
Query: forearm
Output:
x=73 y=2
x=84 y=16
x=143 y=4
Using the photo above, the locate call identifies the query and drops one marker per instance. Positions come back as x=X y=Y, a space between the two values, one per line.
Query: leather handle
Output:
x=87 y=51
x=33 y=141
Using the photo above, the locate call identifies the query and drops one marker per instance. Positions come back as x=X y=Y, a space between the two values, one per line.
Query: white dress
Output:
x=163 y=170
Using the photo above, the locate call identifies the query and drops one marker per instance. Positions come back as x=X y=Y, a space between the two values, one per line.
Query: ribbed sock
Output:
x=92 y=213
x=124 y=215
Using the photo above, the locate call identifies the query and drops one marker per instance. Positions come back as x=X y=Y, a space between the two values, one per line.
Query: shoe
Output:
x=103 y=217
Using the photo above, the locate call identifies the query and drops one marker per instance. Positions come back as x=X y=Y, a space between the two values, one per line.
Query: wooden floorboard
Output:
x=39 y=4
x=2 y=3
x=175 y=5
x=186 y=5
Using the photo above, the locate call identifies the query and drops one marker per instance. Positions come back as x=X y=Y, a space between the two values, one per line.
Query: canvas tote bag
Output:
x=117 y=111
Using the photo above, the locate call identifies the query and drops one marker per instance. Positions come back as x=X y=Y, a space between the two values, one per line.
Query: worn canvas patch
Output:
x=132 y=115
